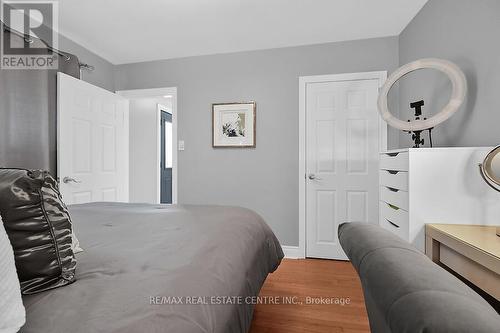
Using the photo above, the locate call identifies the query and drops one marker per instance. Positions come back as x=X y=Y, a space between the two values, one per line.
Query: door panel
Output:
x=342 y=145
x=92 y=142
x=325 y=146
x=357 y=137
x=326 y=203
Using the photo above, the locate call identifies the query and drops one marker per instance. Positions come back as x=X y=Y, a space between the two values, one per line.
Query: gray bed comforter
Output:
x=158 y=268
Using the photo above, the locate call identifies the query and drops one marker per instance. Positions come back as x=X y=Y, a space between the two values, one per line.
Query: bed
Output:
x=160 y=268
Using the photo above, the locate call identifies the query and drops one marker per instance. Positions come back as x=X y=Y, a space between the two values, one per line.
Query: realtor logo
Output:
x=29 y=34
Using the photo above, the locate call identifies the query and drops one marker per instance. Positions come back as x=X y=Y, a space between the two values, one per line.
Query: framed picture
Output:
x=233 y=125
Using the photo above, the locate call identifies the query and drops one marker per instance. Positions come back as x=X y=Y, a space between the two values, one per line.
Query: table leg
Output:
x=432 y=248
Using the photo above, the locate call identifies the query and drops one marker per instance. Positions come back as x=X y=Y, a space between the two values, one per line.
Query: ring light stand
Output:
x=416 y=126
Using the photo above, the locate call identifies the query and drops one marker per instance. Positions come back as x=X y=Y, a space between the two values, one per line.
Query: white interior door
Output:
x=92 y=142
x=343 y=137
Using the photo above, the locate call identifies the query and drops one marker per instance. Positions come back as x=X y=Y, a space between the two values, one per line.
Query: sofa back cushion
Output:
x=406 y=291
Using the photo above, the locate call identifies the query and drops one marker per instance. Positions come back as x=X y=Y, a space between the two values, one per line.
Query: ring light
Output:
x=459 y=86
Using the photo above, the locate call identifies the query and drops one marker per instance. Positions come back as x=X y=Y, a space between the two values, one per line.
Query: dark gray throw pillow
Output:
x=39 y=227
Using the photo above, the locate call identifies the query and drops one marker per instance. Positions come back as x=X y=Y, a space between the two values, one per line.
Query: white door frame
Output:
x=303 y=81
x=159 y=109
x=157 y=92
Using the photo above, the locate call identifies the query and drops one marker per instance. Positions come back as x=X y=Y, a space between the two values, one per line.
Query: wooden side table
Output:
x=472 y=251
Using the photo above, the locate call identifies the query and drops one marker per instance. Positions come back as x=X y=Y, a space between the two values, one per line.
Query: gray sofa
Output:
x=406 y=292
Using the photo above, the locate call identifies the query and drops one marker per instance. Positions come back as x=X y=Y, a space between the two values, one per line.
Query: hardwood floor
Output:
x=327 y=279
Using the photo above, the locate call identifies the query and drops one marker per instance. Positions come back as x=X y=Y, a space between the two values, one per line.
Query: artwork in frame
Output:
x=233 y=125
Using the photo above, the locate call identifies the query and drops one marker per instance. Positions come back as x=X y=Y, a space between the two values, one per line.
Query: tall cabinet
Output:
x=434 y=185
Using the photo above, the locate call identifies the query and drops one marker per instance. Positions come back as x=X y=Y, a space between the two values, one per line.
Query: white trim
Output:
x=302 y=165
x=159 y=109
x=154 y=92
x=175 y=150
x=292 y=252
x=303 y=81
x=158 y=92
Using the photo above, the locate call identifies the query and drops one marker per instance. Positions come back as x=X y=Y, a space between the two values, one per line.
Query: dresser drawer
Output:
x=394 y=220
x=394 y=161
x=394 y=179
x=395 y=197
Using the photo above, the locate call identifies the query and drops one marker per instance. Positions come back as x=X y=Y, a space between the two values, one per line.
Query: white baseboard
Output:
x=292 y=252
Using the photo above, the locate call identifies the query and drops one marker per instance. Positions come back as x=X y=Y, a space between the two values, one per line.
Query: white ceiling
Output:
x=126 y=31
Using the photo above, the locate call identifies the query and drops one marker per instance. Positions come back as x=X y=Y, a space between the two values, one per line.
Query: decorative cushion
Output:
x=12 y=314
x=39 y=228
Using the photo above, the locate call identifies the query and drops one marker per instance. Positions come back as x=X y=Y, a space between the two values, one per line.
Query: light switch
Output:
x=181 y=145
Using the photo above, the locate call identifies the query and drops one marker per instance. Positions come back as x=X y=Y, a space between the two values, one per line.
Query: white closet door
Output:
x=92 y=142
x=342 y=145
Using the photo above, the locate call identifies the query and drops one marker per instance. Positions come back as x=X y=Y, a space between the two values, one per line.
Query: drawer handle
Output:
x=392 y=206
x=393 y=172
x=392 y=189
x=393 y=224
x=392 y=154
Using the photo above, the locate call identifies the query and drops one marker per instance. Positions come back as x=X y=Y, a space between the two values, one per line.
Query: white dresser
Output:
x=434 y=185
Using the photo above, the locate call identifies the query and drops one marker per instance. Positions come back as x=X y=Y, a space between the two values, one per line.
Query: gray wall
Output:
x=265 y=178
x=102 y=76
x=28 y=108
x=467 y=33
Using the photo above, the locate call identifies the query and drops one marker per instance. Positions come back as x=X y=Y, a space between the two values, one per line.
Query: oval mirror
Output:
x=490 y=168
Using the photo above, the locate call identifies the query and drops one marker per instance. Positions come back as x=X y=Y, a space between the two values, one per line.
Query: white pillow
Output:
x=12 y=313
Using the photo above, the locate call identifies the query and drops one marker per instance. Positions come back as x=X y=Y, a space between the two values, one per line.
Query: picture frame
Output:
x=234 y=125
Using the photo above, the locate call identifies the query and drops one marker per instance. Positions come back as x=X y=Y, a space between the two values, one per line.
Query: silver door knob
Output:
x=67 y=180
x=312 y=176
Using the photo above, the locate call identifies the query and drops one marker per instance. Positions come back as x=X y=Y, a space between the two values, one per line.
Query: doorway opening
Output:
x=166 y=154
x=153 y=145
